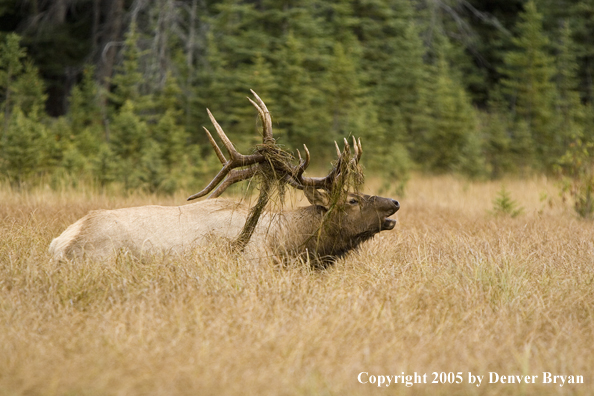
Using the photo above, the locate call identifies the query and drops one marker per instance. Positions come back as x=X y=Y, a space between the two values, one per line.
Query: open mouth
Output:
x=388 y=224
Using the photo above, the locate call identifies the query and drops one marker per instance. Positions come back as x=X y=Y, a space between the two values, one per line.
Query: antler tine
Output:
x=347 y=148
x=307 y=157
x=215 y=146
x=227 y=167
x=264 y=116
x=228 y=145
x=303 y=163
x=338 y=153
x=356 y=148
x=214 y=182
x=235 y=176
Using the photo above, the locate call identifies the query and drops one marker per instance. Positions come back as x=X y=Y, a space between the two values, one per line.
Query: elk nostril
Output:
x=396 y=203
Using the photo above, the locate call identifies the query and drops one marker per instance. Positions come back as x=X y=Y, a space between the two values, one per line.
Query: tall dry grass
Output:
x=451 y=289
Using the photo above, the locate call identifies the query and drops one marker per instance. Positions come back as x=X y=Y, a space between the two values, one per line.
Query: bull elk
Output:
x=337 y=221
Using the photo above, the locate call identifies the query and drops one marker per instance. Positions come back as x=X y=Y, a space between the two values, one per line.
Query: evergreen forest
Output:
x=114 y=92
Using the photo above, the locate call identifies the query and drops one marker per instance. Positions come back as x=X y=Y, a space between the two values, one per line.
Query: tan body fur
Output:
x=149 y=229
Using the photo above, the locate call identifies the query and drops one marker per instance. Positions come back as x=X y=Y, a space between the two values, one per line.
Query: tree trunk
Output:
x=114 y=9
x=108 y=47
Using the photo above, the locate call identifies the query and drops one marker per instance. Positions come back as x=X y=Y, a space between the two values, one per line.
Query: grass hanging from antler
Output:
x=349 y=173
x=269 y=182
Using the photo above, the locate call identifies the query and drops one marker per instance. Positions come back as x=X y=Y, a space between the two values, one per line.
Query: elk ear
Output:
x=317 y=197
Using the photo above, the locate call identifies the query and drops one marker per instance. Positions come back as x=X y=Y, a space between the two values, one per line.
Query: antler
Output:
x=293 y=175
x=326 y=182
x=264 y=117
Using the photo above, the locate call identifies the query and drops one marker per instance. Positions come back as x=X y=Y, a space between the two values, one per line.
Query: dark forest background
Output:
x=113 y=92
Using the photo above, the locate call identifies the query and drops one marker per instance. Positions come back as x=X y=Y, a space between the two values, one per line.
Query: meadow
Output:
x=452 y=288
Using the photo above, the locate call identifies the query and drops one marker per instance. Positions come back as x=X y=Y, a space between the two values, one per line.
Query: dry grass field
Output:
x=450 y=289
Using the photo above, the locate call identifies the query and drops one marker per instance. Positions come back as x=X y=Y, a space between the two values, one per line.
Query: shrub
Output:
x=576 y=168
x=504 y=205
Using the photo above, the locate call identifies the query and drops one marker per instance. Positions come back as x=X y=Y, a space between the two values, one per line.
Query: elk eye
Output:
x=353 y=201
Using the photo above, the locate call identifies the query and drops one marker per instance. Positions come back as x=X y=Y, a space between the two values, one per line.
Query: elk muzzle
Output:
x=389 y=206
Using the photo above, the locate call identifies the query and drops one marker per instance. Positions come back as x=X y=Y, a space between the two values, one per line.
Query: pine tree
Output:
x=571 y=112
x=578 y=14
x=236 y=43
x=230 y=71
x=422 y=122
x=447 y=124
x=213 y=86
x=128 y=80
x=169 y=97
x=73 y=163
x=129 y=136
x=20 y=83
x=497 y=145
x=504 y=205
x=392 y=57
x=343 y=91
x=84 y=110
x=529 y=71
x=172 y=138
x=104 y=165
x=300 y=116
x=24 y=143
x=453 y=141
x=29 y=91
x=300 y=60
x=256 y=75
x=169 y=131
x=11 y=67
x=393 y=68
x=85 y=116
x=24 y=149
x=523 y=149
x=151 y=171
